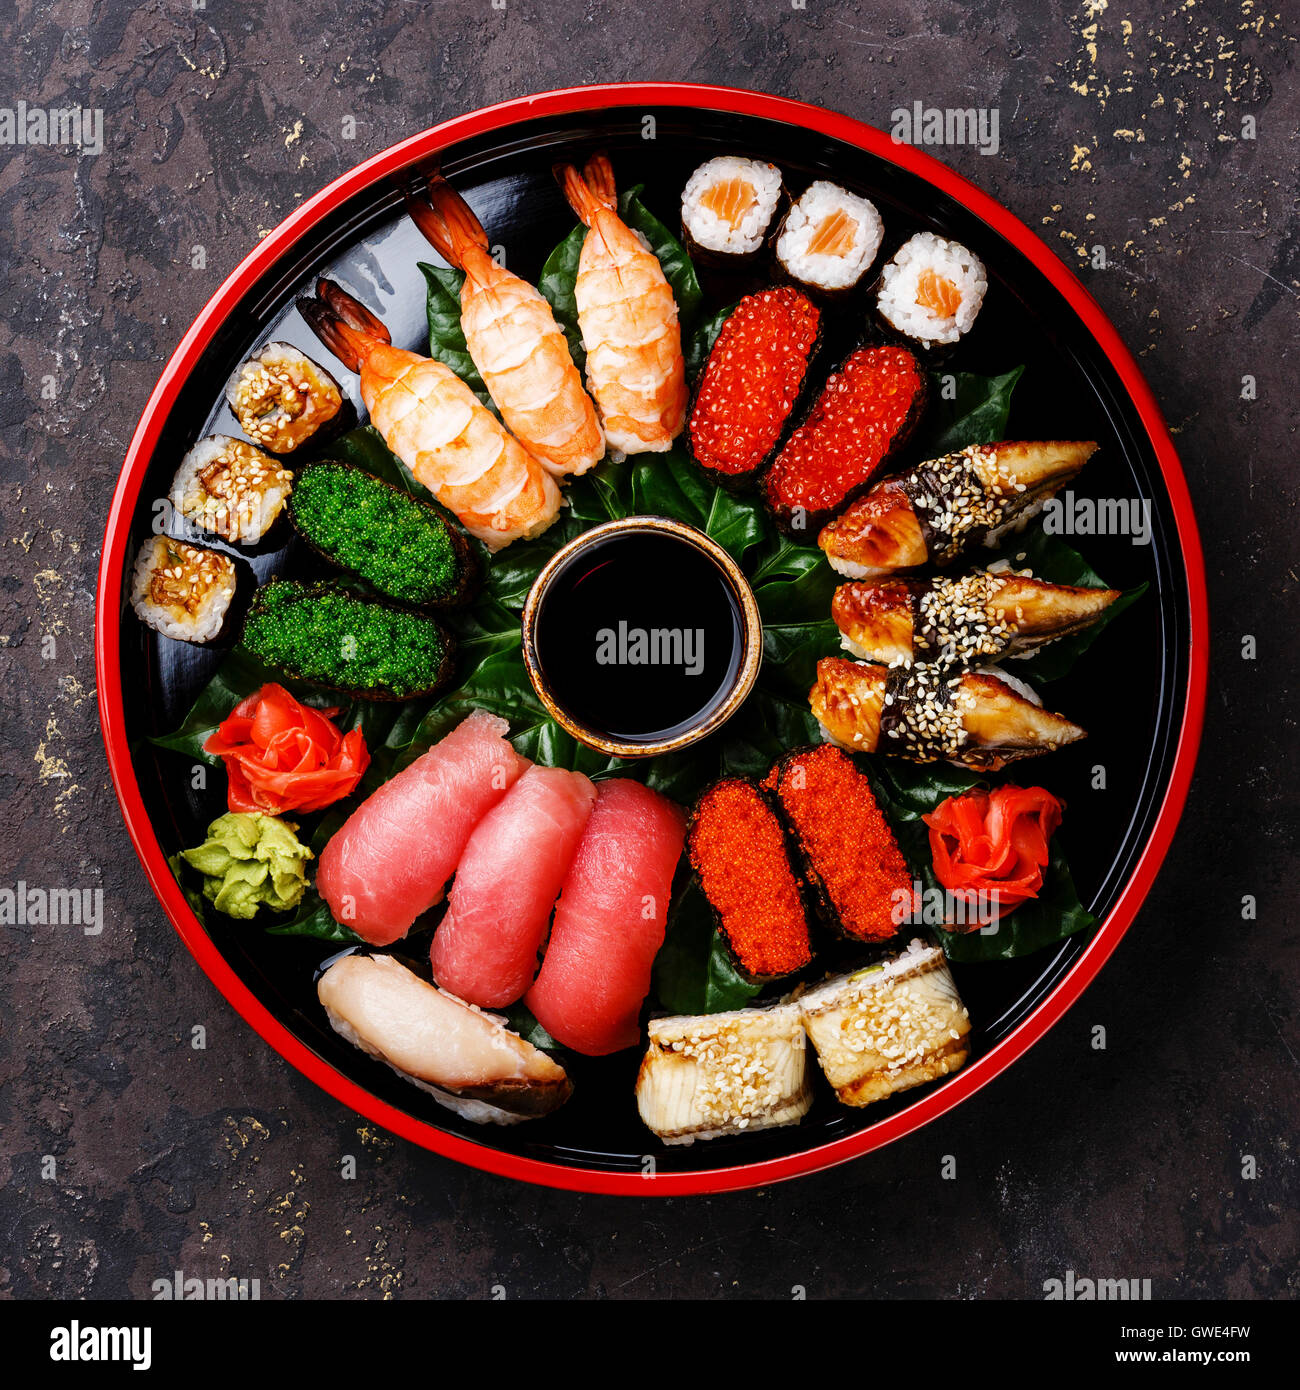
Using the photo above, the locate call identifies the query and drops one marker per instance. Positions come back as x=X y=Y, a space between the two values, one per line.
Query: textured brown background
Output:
x=1120 y=128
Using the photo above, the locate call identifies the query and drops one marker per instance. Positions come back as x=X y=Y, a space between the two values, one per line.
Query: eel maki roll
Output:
x=737 y=848
x=182 y=591
x=865 y=413
x=325 y=634
x=849 y=853
x=709 y=1075
x=889 y=1027
x=751 y=383
x=231 y=489
x=829 y=239
x=932 y=290
x=282 y=398
x=729 y=205
x=401 y=546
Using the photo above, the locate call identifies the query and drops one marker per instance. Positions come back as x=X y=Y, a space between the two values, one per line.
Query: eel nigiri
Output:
x=924 y=713
x=485 y=948
x=938 y=509
x=466 y=1060
x=392 y=857
x=609 y=923
x=979 y=617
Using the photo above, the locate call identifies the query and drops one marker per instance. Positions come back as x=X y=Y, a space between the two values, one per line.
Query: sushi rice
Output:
x=902 y=294
x=821 y=209
x=182 y=591
x=734 y=232
x=230 y=489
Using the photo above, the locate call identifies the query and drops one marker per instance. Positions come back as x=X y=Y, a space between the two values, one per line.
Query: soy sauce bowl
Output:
x=642 y=637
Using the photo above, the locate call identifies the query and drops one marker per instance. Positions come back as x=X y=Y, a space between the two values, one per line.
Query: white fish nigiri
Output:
x=467 y=1060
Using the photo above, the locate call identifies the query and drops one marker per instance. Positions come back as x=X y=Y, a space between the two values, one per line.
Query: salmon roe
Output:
x=846 y=841
x=737 y=849
x=858 y=419
x=752 y=380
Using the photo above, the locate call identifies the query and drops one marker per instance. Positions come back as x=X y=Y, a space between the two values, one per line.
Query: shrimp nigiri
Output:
x=437 y=426
x=628 y=318
x=519 y=349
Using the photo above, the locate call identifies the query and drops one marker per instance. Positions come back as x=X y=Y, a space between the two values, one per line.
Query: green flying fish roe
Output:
x=316 y=632
x=397 y=543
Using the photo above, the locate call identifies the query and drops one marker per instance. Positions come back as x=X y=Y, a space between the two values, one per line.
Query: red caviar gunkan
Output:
x=752 y=381
x=865 y=412
x=738 y=851
x=848 y=849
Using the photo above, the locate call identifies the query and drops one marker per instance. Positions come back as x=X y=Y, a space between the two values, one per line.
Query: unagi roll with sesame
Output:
x=980 y=617
x=752 y=383
x=848 y=851
x=229 y=488
x=737 y=848
x=282 y=399
x=865 y=413
x=939 y=509
x=978 y=719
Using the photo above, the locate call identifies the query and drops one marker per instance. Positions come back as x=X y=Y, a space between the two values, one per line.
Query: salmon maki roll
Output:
x=737 y=848
x=752 y=382
x=609 y=923
x=729 y=206
x=829 y=239
x=391 y=859
x=866 y=412
x=850 y=853
x=485 y=948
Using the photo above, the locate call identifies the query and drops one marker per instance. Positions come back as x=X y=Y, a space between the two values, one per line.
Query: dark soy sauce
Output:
x=640 y=637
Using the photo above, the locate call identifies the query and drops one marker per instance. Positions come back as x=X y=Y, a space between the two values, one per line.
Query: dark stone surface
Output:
x=1121 y=127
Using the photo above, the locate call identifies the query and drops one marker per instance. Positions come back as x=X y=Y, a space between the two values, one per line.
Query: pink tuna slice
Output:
x=392 y=857
x=609 y=923
x=485 y=949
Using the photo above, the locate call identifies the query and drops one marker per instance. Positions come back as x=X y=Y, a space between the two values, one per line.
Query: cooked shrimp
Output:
x=437 y=426
x=519 y=349
x=628 y=319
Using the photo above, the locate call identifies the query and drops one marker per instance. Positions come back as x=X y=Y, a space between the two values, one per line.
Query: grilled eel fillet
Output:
x=888 y=1027
x=982 y=616
x=708 y=1075
x=939 y=508
x=973 y=718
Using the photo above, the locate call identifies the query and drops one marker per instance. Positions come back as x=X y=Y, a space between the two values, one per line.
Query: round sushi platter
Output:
x=598 y=624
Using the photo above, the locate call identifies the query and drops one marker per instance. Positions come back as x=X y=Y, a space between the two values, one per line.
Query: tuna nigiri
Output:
x=485 y=949
x=391 y=859
x=609 y=922
x=468 y=1061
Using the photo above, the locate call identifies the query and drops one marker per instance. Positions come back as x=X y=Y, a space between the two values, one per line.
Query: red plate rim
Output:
x=565 y=102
